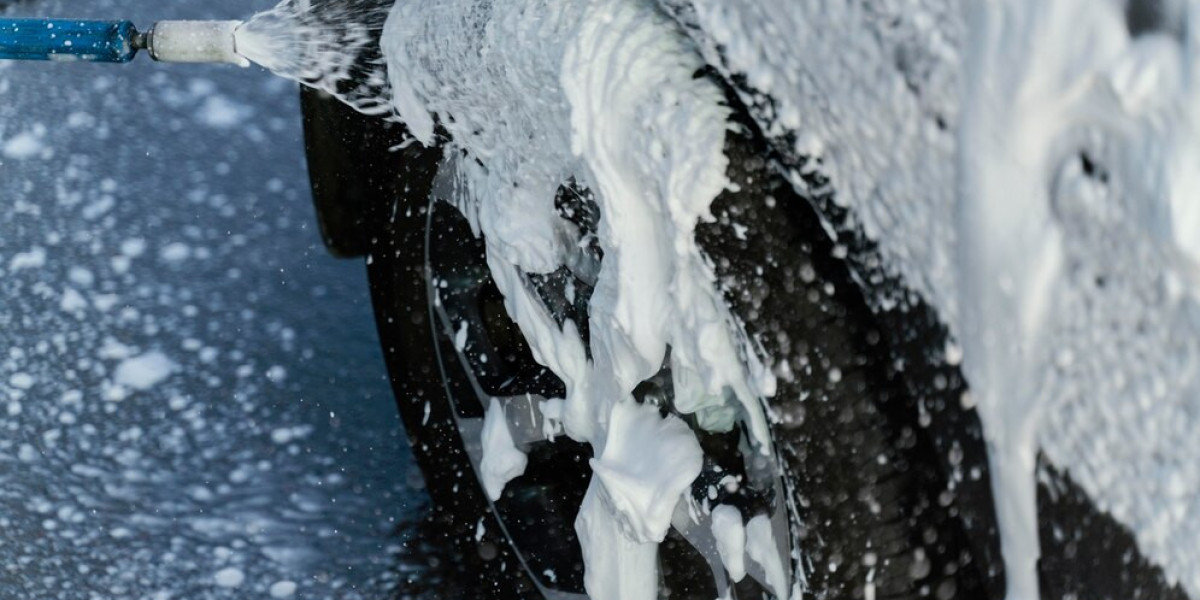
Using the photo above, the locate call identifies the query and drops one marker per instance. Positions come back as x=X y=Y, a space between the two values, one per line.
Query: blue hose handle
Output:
x=67 y=40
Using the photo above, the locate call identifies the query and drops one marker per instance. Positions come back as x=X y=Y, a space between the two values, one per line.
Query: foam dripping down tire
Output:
x=749 y=257
x=915 y=414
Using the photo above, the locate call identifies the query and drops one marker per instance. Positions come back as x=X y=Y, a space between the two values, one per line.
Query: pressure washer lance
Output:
x=119 y=41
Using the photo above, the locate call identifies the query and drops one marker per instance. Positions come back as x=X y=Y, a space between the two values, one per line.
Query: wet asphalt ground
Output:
x=193 y=403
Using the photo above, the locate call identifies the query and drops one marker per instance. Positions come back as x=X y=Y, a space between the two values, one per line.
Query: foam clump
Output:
x=648 y=463
x=144 y=371
x=502 y=460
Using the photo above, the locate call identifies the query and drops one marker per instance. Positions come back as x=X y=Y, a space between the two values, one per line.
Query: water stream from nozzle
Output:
x=326 y=44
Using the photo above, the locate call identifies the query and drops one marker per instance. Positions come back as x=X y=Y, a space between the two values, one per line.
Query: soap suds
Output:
x=229 y=577
x=761 y=548
x=34 y=258
x=144 y=371
x=25 y=145
x=283 y=589
x=1072 y=239
x=502 y=460
x=647 y=465
x=730 y=532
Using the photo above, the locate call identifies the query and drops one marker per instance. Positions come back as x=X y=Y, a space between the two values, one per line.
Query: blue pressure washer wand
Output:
x=119 y=41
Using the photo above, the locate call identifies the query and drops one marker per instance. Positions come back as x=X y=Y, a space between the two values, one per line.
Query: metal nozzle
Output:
x=192 y=42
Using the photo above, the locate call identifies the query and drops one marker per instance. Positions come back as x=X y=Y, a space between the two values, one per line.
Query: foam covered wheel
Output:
x=886 y=475
x=450 y=348
x=867 y=481
x=885 y=471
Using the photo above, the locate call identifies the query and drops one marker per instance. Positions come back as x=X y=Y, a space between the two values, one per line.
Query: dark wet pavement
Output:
x=192 y=398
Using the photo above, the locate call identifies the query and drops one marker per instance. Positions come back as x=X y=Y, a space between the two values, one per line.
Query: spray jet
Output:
x=119 y=41
x=334 y=49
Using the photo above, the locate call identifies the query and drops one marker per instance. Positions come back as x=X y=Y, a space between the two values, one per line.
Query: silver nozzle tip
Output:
x=195 y=42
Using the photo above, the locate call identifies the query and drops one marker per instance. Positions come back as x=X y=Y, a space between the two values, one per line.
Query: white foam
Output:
x=21 y=381
x=175 y=252
x=730 y=533
x=229 y=577
x=761 y=548
x=25 y=145
x=1052 y=356
x=617 y=567
x=502 y=460
x=144 y=371
x=34 y=258
x=220 y=112
x=72 y=301
x=283 y=589
x=642 y=491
